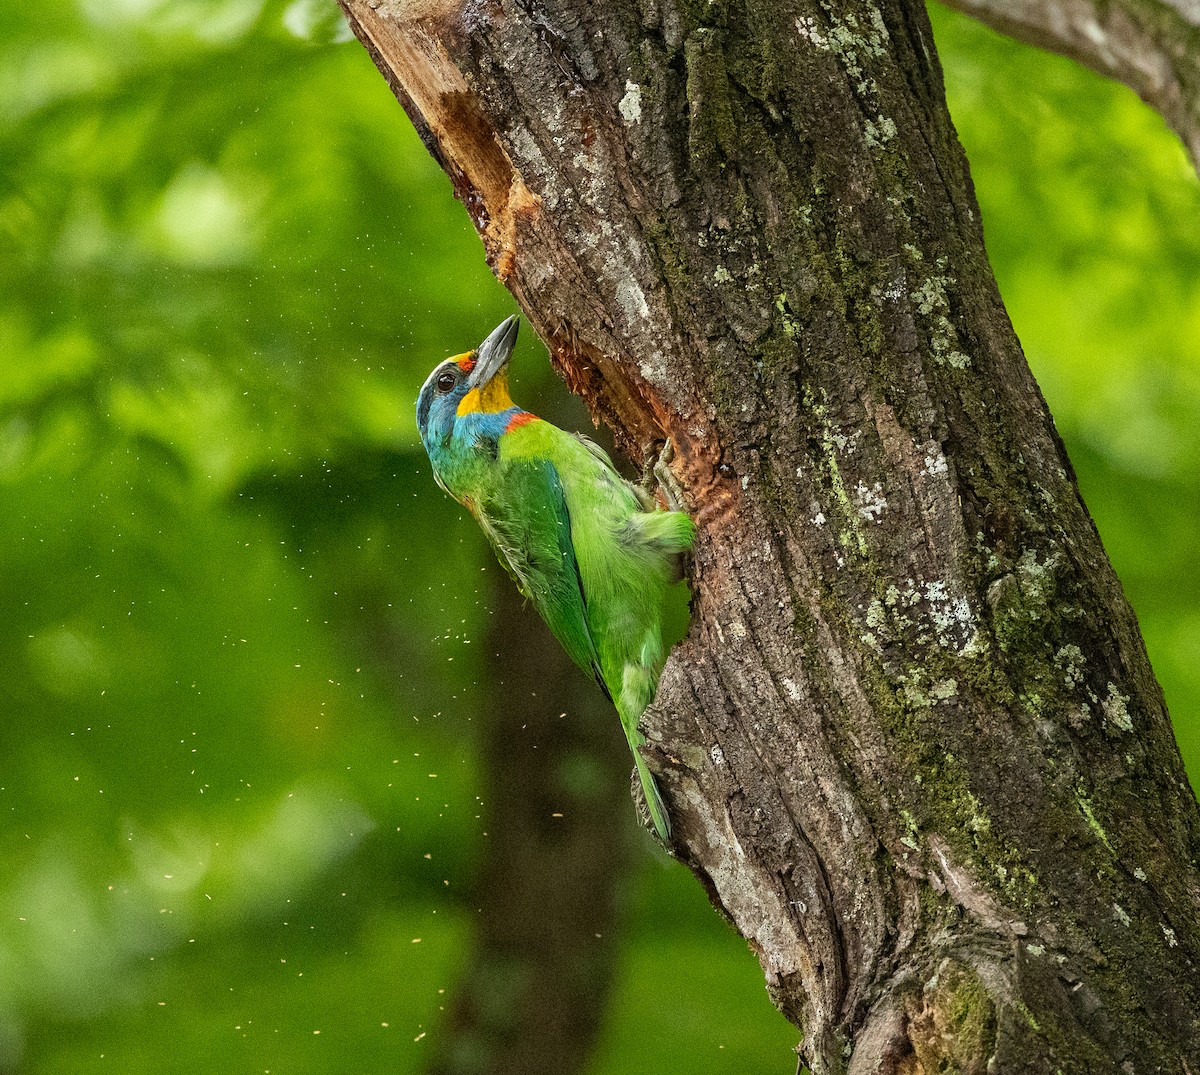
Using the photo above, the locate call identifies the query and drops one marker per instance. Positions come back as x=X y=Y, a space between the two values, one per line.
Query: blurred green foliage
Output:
x=240 y=660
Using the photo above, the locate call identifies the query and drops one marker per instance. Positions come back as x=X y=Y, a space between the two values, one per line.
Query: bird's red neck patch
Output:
x=521 y=418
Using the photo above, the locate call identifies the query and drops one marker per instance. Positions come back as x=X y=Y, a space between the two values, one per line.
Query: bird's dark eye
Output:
x=445 y=381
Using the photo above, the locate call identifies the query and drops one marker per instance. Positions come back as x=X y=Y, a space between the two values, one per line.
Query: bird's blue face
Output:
x=437 y=405
x=466 y=384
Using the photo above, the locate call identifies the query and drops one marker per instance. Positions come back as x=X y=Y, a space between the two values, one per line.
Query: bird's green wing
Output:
x=528 y=523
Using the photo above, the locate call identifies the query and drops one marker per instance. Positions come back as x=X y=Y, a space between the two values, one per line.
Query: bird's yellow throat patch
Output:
x=491 y=398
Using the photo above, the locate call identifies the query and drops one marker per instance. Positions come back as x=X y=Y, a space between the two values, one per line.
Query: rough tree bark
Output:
x=912 y=744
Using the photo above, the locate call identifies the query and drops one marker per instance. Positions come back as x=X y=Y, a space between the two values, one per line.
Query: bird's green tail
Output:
x=637 y=691
x=654 y=802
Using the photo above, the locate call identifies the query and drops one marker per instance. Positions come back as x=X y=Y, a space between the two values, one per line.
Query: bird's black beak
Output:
x=493 y=354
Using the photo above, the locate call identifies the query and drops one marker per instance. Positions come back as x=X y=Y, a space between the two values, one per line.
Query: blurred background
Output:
x=288 y=781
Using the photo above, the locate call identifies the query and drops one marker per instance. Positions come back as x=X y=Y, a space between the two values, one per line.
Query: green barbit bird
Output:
x=590 y=550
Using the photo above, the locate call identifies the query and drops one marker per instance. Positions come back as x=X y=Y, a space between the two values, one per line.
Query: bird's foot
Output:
x=657 y=472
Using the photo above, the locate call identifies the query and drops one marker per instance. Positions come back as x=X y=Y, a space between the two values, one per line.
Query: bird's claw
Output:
x=656 y=471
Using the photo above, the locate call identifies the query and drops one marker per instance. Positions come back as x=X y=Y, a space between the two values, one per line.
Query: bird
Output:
x=592 y=552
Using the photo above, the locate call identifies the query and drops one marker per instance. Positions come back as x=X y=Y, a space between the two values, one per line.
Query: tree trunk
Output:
x=556 y=863
x=912 y=744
